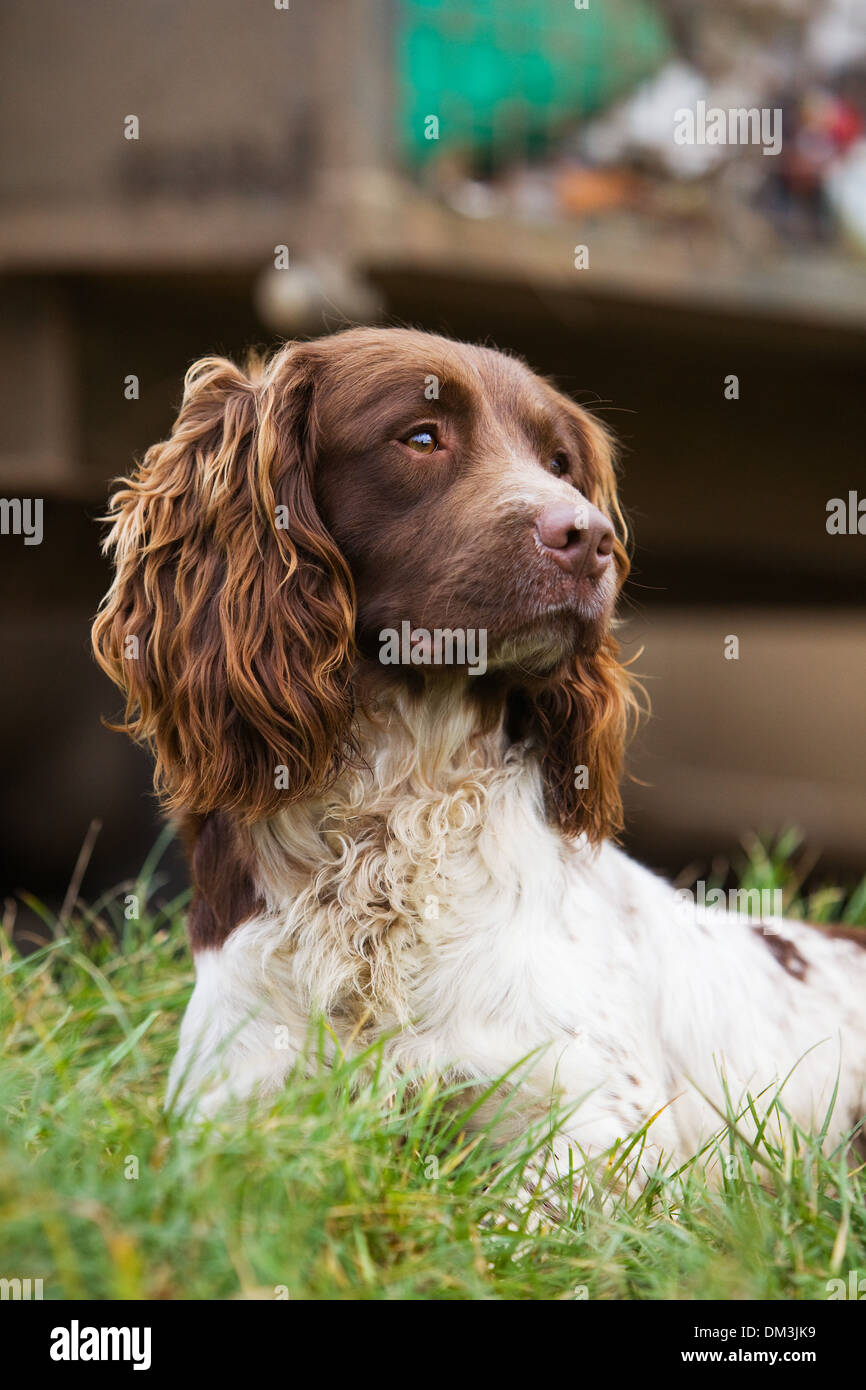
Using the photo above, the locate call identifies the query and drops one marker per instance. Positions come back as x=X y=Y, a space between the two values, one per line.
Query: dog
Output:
x=419 y=849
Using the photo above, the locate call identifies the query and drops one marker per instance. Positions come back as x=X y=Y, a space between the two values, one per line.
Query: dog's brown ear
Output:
x=229 y=624
x=582 y=720
x=584 y=713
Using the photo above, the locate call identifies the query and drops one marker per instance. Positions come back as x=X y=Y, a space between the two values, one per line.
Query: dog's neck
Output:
x=413 y=838
x=420 y=754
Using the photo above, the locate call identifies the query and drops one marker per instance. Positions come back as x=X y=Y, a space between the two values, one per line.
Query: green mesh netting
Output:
x=504 y=76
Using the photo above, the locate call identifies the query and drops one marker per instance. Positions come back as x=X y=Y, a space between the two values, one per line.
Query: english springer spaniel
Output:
x=363 y=613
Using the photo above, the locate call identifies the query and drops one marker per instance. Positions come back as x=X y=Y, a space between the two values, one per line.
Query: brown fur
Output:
x=839 y=931
x=244 y=630
x=222 y=868
x=785 y=952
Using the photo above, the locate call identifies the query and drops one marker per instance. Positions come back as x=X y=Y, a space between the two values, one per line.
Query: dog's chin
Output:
x=535 y=636
x=545 y=643
x=555 y=629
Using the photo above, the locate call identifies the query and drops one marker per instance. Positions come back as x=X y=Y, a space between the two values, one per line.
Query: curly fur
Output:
x=231 y=635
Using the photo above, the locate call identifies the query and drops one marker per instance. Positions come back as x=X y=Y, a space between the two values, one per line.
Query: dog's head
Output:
x=373 y=483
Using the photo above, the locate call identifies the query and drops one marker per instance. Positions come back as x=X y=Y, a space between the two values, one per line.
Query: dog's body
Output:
x=429 y=899
x=424 y=854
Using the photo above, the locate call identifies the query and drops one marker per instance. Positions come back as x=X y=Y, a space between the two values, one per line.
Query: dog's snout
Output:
x=578 y=536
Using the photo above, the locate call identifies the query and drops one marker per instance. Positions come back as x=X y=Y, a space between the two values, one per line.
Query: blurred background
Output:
x=438 y=164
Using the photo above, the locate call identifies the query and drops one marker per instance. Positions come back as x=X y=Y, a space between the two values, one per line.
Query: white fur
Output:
x=429 y=895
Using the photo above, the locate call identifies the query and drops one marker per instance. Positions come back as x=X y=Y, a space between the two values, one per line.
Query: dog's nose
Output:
x=579 y=537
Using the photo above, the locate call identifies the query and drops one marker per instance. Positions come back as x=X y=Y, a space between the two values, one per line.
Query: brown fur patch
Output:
x=221 y=866
x=838 y=931
x=785 y=952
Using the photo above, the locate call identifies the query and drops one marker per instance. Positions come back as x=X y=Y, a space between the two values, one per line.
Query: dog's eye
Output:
x=559 y=465
x=423 y=441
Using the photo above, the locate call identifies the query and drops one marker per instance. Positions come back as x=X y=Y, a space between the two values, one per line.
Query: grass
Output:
x=350 y=1187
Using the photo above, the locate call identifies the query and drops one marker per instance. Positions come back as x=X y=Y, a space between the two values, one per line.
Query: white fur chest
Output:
x=428 y=899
